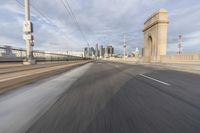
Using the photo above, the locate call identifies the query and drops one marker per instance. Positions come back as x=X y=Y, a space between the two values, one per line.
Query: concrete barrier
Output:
x=186 y=58
x=11 y=80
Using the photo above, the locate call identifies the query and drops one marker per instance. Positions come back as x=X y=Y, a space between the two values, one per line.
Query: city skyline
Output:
x=99 y=51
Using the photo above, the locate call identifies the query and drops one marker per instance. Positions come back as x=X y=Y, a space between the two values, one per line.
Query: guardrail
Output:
x=10 y=54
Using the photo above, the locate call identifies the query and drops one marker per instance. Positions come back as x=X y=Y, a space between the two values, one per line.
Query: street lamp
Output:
x=28 y=36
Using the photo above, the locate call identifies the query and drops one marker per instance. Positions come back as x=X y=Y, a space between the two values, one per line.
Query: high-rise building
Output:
x=101 y=53
x=110 y=50
x=92 y=51
x=104 y=52
x=89 y=52
x=97 y=50
x=86 y=52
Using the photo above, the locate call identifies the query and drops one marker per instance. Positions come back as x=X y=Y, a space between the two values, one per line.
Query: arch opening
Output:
x=152 y=49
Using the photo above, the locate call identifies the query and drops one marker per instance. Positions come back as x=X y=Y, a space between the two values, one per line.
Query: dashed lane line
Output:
x=159 y=81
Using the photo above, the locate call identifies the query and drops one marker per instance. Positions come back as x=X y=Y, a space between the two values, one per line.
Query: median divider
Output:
x=9 y=81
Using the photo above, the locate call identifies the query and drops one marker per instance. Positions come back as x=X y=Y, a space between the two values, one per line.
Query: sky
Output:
x=73 y=25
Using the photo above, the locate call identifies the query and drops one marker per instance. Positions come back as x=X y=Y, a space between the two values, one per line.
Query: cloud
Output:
x=102 y=21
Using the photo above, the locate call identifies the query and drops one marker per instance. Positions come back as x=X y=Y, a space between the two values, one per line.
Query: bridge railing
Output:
x=9 y=54
x=186 y=58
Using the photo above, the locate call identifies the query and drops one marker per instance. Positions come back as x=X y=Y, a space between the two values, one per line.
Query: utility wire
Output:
x=72 y=15
x=44 y=17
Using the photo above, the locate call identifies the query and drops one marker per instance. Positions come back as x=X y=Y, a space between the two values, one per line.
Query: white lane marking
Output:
x=155 y=80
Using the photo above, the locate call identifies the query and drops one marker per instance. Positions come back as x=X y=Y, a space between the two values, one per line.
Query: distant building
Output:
x=135 y=52
x=86 y=52
x=89 y=52
x=109 y=51
x=92 y=52
x=97 y=50
x=8 y=52
x=102 y=51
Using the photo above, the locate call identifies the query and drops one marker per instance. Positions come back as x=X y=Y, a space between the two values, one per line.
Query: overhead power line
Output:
x=72 y=15
x=45 y=18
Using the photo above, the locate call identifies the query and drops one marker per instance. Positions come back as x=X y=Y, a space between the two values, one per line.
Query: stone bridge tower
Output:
x=155 y=36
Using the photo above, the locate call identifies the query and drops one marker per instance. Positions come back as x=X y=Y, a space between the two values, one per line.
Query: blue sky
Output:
x=101 y=21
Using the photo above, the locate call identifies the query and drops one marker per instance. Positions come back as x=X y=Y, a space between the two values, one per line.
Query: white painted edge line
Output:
x=159 y=81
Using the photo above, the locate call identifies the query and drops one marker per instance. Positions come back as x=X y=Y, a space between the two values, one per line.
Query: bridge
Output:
x=65 y=93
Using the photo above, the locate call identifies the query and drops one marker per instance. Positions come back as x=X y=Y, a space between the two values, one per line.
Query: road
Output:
x=105 y=97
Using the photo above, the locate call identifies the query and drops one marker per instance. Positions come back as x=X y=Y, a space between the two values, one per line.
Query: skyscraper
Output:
x=110 y=50
x=101 y=51
x=86 y=52
x=97 y=50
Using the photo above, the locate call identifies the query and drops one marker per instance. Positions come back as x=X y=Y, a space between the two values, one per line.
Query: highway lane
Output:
x=116 y=98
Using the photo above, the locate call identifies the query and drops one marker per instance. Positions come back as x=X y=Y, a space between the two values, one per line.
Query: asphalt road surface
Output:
x=104 y=97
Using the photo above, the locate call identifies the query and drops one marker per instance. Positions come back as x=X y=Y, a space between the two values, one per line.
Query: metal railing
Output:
x=8 y=54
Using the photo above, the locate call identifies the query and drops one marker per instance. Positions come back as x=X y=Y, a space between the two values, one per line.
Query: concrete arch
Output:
x=155 y=36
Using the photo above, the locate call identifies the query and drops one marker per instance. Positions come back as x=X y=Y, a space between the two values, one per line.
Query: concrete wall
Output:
x=187 y=58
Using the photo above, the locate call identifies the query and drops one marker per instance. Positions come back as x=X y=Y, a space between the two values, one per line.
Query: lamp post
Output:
x=124 y=46
x=28 y=36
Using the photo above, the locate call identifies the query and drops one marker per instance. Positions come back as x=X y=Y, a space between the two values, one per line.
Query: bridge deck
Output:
x=105 y=97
